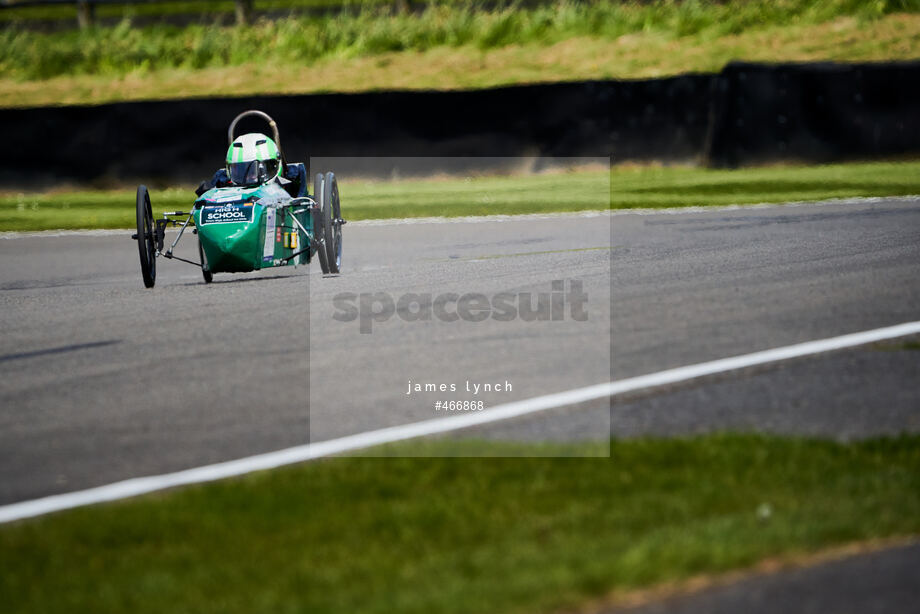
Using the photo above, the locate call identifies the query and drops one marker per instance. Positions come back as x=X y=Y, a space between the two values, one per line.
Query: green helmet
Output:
x=253 y=159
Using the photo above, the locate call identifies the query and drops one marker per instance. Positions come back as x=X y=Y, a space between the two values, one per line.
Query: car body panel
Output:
x=244 y=229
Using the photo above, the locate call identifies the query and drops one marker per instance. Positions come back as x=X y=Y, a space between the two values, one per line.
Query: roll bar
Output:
x=271 y=123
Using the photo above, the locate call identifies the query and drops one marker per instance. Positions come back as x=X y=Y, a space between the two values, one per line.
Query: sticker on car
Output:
x=226 y=214
x=268 y=250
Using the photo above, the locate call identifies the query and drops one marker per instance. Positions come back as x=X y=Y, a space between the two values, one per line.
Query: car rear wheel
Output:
x=334 y=228
x=322 y=220
x=146 y=237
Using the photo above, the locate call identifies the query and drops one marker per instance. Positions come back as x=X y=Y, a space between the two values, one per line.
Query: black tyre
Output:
x=205 y=271
x=146 y=237
x=334 y=229
x=322 y=220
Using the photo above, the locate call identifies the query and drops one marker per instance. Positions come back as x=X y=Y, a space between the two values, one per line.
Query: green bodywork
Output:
x=246 y=229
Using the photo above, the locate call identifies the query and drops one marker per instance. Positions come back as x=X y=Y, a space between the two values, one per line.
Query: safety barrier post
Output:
x=243 y=12
x=86 y=13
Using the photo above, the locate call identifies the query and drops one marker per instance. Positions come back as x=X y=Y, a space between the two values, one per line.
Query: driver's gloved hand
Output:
x=219 y=180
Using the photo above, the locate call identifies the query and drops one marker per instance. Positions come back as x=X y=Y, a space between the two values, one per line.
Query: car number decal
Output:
x=226 y=213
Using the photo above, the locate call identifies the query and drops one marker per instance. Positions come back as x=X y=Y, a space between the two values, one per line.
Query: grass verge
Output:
x=203 y=10
x=464 y=535
x=447 y=47
x=621 y=188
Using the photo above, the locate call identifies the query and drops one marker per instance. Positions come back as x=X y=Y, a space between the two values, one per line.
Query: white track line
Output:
x=297 y=454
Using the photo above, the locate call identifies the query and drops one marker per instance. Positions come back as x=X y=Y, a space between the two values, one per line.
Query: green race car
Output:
x=253 y=214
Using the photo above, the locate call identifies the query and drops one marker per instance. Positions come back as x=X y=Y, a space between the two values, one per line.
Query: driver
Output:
x=253 y=159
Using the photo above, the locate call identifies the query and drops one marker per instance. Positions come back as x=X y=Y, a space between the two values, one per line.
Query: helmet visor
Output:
x=254 y=172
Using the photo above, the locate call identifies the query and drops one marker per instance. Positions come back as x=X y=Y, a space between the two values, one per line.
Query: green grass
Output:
x=452 y=535
x=678 y=187
x=120 y=50
x=691 y=14
x=452 y=45
x=622 y=188
x=206 y=9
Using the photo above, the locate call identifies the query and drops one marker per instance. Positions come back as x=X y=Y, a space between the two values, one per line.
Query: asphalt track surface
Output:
x=105 y=380
x=883 y=581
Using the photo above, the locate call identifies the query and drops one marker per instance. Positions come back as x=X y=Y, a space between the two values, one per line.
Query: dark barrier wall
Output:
x=186 y=140
x=814 y=112
x=747 y=114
